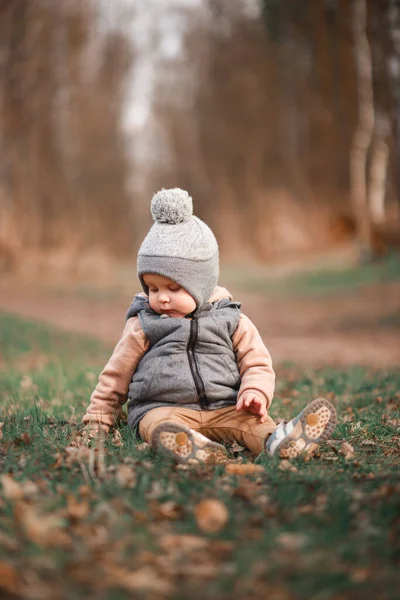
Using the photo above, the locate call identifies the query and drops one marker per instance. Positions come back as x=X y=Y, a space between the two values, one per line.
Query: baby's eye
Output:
x=174 y=288
x=153 y=290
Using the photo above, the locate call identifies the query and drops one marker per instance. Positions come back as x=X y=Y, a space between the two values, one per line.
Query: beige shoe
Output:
x=304 y=433
x=185 y=445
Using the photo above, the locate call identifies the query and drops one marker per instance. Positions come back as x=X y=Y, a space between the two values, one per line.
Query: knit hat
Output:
x=180 y=246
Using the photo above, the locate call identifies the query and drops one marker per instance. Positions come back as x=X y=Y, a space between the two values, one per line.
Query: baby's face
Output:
x=167 y=297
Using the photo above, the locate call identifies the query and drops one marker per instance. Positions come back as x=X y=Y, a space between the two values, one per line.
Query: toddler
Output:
x=193 y=366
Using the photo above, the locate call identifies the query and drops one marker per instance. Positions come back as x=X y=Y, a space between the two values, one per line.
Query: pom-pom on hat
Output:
x=180 y=246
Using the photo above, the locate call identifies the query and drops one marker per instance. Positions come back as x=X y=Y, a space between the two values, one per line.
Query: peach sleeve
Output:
x=112 y=388
x=254 y=361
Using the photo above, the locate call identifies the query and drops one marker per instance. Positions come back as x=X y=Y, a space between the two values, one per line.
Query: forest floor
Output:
x=114 y=521
x=342 y=316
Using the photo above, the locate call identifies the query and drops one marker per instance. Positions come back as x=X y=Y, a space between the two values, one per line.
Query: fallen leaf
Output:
x=388 y=420
x=182 y=543
x=143 y=446
x=167 y=510
x=360 y=575
x=117 y=439
x=249 y=490
x=125 y=476
x=211 y=515
x=14 y=490
x=145 y=579
x=43 y=529
x=105 y=514
x=368 y=443
x=347 y=450
x=244 y=469
x=8 y=543
x=329 y=456
x=24 y=438
x=77 y=510
x=286 y=465
x=9 y=578
x=292 y=541
x=235 y=447
x=76 y=454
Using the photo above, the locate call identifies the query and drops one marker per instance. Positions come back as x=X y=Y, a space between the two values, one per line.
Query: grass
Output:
x=118 y=522
x=318 y=282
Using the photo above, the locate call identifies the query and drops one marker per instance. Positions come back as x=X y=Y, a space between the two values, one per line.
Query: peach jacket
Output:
x=253 y=359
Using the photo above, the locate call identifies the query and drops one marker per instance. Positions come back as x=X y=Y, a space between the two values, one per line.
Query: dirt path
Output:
x=357 y=328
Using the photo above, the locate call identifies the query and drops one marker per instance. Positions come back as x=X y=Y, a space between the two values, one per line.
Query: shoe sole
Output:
x=180 y=443
x=315 y=424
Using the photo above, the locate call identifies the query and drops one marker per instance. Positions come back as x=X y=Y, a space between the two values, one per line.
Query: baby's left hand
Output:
x=254 y=404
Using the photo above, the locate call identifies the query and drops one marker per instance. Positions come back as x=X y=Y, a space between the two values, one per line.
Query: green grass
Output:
x=320 y=281
x=327 y=529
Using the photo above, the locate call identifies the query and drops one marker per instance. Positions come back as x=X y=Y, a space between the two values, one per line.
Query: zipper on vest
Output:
x=194 y=368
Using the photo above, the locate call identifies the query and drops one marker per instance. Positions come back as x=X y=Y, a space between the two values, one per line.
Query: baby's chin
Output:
x=176 y=314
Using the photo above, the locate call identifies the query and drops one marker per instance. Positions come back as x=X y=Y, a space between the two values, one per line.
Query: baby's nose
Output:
x=163 y=297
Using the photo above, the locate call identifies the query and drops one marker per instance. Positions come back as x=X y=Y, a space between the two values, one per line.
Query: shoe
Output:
x=185 y=445
x=304 y=433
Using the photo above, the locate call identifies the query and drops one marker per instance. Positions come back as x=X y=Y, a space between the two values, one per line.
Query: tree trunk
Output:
x=394 y=74
x=363 y=134
x=377 y=182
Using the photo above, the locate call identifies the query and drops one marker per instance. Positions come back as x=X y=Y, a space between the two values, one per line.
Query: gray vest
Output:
x=190 y=362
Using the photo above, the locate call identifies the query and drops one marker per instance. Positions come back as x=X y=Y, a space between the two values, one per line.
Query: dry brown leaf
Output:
x=117 y=439
x=211 y=515
x=9 y=578
x=167 y=510
x=12 y=490
x=76 y=454
x=143 y=446
x=24 y=438
x=359 y=575
x=286 y=465
x=249 y=490
x=182 y=543
x=292 y=541
x=235 y=447
x=388 y=420
x=77 y=510
x=125 y=476
x=329 y=456
x=244 y=469
x=43 y=530
x=143 y=579
x=347 y=450
x=8 y=543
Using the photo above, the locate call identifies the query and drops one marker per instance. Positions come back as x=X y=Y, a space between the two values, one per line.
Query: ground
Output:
x=114 y=521
x=342 y=317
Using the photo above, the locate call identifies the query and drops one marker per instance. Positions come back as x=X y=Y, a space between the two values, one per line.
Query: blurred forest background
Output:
x=282 y=119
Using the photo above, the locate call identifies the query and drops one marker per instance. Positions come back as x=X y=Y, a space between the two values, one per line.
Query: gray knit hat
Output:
x=180 y=246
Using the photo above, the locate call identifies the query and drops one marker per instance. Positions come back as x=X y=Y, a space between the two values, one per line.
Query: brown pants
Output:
x=222 y=425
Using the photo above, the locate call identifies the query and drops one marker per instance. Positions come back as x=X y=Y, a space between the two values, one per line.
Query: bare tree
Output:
x=365 y=126
x=64 y=164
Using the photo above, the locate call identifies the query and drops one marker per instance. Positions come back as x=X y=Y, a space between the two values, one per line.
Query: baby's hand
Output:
x=254 y=404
